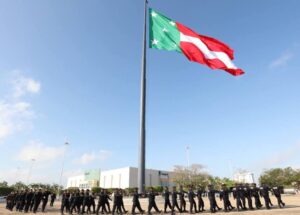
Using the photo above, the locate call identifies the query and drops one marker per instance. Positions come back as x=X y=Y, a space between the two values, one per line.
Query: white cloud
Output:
x=16 y=114
x=92 y=156
x=23 y=85
x=279 y=158
x=39 y=151
x=282 y=60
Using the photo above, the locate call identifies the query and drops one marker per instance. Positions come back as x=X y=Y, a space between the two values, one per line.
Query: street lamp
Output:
x=187 y=148
x=30 y=170
x=63 y=164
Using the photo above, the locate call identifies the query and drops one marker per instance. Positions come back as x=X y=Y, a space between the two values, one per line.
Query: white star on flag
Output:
x=153 y=14
x=155 y=42
x=165 y=30
x=172 y=23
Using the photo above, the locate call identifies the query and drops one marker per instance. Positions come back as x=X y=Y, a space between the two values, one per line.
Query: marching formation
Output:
x=81 y=202
x=29 y=200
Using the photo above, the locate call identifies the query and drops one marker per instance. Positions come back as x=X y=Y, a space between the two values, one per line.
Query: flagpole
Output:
x=141 y=170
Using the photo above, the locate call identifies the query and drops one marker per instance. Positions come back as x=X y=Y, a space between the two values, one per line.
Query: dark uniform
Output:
x=182 y=202
x=238 y=193
x=191 y=196
x=200 y=200
x=264 y=192
x=53 y=197
x=277 y=192
x=10 y=201
x=106 y=200
x=117 y=203
x=101 y=203
x=45 y=198
x=75 y=205
x=37 y=198
x=85 y=201
x=255 y=194
x=65 y=202
x=92 y=203
x=72 y=202
x=174 y=200
x=166 y=195
x=212 y=199
x=224 y=196
x=28 y=200
x=136 y=202
x=151 y=198
x=248 y=195
x=122 y=202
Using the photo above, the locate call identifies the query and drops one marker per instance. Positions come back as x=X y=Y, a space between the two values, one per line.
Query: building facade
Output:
x=127 y=177
x=87 y=180
x=244 y=177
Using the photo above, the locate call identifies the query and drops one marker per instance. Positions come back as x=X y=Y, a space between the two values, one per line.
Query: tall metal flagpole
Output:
x=141 y=170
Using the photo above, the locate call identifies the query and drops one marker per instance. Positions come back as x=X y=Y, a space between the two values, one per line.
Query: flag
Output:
x=169 y=35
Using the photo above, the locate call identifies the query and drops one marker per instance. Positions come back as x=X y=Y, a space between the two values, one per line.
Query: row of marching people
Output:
x=84 y=201
x=29 y=200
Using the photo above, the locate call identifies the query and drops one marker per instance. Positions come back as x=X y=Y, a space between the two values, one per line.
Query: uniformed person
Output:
x=191 y=196
x=37 y=198
x=167 y=202
x=151 y=198
x=101 y=202
x=264 y=192
x=136 y=202
x=248 y=195
x=182 y=202
x=199 y=193
x=117 y=204
x=106 y=200
x=211 y=193
x=122 y=202
x=174 y=200
x=53 y=197
x=224 y=196
x=65 y=202
x=277 y=192
x=45 y=197
x=22 y=200
x=28 y=199
x=85 y=201
x=255 y=194
x=237 y=195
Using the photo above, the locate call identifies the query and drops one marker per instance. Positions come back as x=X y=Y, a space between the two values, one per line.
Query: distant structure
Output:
x=244 y=177
x=126 y=177
x=87 y=180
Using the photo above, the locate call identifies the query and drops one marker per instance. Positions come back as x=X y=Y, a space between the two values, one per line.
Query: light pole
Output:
x=187 y=148
x=63 y=164
x=30 y=170
x=17 y=173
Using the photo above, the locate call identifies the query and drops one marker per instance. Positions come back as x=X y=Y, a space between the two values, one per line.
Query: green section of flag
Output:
x=163 y=32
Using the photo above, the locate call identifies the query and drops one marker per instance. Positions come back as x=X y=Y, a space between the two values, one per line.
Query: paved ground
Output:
x=292 y=207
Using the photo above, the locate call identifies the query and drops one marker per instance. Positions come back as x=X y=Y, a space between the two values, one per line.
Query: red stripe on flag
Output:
x=212 y=43
x=194 y=54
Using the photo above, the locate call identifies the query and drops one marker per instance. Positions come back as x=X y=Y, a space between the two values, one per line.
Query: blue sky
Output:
x=70 y=70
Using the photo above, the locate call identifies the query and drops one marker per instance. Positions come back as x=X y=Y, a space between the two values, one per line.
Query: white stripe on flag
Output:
x=207 y=53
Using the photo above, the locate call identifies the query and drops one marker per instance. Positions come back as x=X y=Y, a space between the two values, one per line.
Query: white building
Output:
x=244 y=177
x=127 y=177
x=87 y=180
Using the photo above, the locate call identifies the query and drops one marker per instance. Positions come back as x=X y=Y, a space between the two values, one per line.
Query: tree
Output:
x=194 y=175
x=19 y=186
x=279 y=177
x=3 y=184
